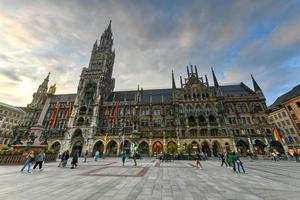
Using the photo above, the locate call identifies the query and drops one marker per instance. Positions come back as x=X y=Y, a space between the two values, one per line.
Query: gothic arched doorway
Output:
x=205 y=149
x=172 y=147
x=99 y=146
x=77 y=142
x=143 y=148
x=242 y=147
x=56 y=146
x=216 y=148
x=126 y=147
x=157 y=148
x=259 y=147
x=112 y=148
x=276 y=146
x=195 y=147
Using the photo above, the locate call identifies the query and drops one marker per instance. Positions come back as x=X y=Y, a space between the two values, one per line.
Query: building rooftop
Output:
x=285 y=97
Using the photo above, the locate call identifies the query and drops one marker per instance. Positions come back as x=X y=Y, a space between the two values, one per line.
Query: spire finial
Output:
x=109 y=26
x=206 y=80
x=173 y=81
x=181 y=81
x=216 y=84
x=188 y=72
x=255 y=85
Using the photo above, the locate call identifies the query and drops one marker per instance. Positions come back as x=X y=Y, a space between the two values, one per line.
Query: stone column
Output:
x=250 y=145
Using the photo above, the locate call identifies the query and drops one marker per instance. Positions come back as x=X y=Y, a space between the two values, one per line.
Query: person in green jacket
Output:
x=231 y=159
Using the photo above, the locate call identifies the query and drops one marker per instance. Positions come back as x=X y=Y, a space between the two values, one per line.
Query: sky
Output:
x=236 y=38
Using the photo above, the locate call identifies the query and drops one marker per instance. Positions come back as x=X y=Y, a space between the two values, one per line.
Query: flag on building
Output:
x=275 y=135
x=57 y=106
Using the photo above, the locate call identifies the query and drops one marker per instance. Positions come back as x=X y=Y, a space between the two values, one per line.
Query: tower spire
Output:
x=173 y=81
x=216 y=84
x=255 y=85
x=206 y=80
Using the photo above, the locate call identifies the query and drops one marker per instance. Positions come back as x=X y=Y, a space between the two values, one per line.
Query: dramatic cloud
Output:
x=151 y=38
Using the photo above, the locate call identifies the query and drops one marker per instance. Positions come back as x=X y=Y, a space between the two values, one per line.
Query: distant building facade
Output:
x=10 y=117
x=285 y=114
x=213 y=118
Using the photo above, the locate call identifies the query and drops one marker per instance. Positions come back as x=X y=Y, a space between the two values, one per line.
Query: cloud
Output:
x=151 y=38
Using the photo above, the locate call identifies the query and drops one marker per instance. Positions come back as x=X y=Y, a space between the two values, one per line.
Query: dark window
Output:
x=289 y=108
x=298 y=104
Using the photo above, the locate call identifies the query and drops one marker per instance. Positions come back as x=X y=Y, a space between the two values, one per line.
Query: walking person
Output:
x=198 y=158
x=227 y=159
x=97 y=155
x=75 y=160
x=39 y=160
x=296 y=156
x=222 y=156
x=86 y=155
x=61 y=159
x=28 y=162
x=239 y=163
x=134 y=157
x=274 y=156
x=231 y=159
x=123 y=157
x=66 y=158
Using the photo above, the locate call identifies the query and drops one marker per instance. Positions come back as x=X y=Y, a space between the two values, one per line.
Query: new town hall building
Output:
x=213 y=118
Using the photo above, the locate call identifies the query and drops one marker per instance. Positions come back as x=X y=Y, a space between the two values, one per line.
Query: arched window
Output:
x=198 y=108
x=192 y=121
x=189 y=109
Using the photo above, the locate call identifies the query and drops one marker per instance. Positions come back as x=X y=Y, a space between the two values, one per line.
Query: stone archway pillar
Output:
x=234 y=146
x=150 y=147
x=250 y=145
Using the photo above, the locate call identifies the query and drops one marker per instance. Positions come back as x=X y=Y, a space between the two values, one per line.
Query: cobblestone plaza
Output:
x=151 y=179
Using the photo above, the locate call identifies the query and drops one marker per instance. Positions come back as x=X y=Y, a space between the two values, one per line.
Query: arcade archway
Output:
x=157 y=148
x=144 y=148
x=99 y=146
x=112 y=148
x=216 y=148
x=259 y=147
x=77 y=142
x=55 y=146
x=172 y=147
x=205 y=149
x=276 y=146
x=242 y=147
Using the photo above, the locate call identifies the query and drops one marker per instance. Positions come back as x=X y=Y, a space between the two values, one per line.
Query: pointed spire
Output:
x=181 y=81
x=255 y=85
x=192 y=69
x=188 y=72
x=173 y=81
x=109 y=26
x=206 y=80
x=216 y=84
x=196 y=71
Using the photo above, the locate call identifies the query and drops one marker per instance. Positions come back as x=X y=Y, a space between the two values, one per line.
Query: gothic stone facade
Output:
x=213 y=119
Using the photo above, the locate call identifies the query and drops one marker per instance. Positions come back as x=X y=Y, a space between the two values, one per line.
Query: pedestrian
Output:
x=123 y=157
x=61 y=159
x=97 y=155
x=274 y=156
x=227 y=159
x=239 y=163
x=28 y=161
x=198 y=158
x=296 y=156
x=222 y=156
x=134 y=158
x=66 y=158
x=86 y=155
x=39 y=160
x=232 y=160
x=75 y=160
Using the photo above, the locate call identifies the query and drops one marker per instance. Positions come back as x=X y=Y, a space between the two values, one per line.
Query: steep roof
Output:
x=157 y=95
x=63 y=98
x=236 y=90
x=11 y=107
x=285 y=97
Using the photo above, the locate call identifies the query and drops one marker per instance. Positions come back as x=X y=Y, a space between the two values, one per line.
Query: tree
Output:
x=189 y=149
x=172 y=149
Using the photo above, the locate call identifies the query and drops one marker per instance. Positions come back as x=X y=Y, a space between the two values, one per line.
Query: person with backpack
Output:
x=29 y=160
x=239 y=163
x=97 y=155
x=65 y=158
x=39 y=160
x=123 y=157
x=198 y=158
